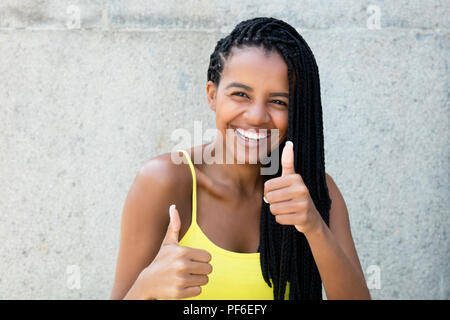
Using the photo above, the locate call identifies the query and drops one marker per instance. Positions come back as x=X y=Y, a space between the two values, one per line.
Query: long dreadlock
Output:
x=285 y=254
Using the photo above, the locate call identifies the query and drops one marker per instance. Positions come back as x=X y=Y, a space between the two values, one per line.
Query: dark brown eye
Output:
x=279 y=102
x=239 y=94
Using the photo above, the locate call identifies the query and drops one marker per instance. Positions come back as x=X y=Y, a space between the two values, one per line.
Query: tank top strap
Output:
x=194 y=186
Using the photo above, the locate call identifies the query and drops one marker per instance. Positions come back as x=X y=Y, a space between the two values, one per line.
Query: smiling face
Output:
x=251 y=101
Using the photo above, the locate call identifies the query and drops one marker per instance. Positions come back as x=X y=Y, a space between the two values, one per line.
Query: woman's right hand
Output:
x=176 y=272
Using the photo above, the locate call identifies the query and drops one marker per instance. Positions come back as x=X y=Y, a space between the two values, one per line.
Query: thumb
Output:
x=287 y=159
x=173 y=229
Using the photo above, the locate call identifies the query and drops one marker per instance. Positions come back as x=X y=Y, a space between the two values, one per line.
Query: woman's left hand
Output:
x=289 y=197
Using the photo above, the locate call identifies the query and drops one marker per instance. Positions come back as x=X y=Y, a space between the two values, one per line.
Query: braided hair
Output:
x=285 y=255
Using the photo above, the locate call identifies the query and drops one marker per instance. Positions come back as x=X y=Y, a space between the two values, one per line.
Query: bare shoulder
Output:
x=169 y=170
x=163 y=170
x=340 y=223
x=339 y=219
x=167 y=180
x=159 y=183
x=337 y=200
x=330 y=183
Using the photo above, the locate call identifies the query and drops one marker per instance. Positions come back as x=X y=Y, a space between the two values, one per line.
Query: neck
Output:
x=245 y=177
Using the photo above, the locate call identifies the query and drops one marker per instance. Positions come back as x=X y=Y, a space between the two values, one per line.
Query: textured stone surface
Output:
x=307 y=14
x=83 y=109
x=52 y=14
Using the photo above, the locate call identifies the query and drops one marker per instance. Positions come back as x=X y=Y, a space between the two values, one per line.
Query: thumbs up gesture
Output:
x=289 y=197
x=176 y=272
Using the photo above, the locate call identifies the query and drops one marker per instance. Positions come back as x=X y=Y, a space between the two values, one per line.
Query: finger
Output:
x=287 y=193
x=198 y=255
x=287 y=159
x=190 y=292
x=195 y=267
x=289 y=219
x=193 y=280
x=173 y=230
x=279 y=183
x=288 y=207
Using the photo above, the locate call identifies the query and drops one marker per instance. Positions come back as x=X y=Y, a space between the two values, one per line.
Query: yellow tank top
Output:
x=235 y=275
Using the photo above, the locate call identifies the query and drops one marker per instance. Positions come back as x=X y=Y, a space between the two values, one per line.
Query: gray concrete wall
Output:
x=90 y=90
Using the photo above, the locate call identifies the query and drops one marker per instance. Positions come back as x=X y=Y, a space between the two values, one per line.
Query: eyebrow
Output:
x=243 y=86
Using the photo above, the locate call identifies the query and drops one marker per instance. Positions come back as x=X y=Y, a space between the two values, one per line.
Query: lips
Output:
x=249 y=133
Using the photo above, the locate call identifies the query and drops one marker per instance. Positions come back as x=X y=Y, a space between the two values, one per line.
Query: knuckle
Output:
x=279 y=219
x=181 y=267
x=306 y=206
x=273 y=208
x=208 y=256
x=302 y=206
x=305 y=190
x=180 y=282
x=175 y=293
x=299 y=191
x=170 y=247
x=181 y=252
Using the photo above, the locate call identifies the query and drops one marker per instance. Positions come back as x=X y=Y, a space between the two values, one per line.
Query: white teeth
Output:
x=251 y=134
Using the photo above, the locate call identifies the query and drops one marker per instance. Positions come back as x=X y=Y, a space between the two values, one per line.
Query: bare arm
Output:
x=144 y=222
x=335 y=254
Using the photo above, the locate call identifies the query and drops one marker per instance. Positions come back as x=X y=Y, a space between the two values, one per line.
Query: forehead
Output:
x=253 y=66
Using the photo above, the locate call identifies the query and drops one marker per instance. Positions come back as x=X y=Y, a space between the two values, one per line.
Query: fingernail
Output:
x=290 y=142
x=171 y=209
x=265 y=199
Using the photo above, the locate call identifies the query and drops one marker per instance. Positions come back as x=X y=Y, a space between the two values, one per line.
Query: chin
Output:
x=247 y=159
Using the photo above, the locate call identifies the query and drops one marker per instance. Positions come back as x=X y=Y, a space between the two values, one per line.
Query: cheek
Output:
x=226 y=111
x=222 y=116
x=281 y=122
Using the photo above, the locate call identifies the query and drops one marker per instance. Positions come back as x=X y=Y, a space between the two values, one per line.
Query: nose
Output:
x=256 y=114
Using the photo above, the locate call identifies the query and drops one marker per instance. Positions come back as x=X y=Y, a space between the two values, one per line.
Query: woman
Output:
x=246 y=235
